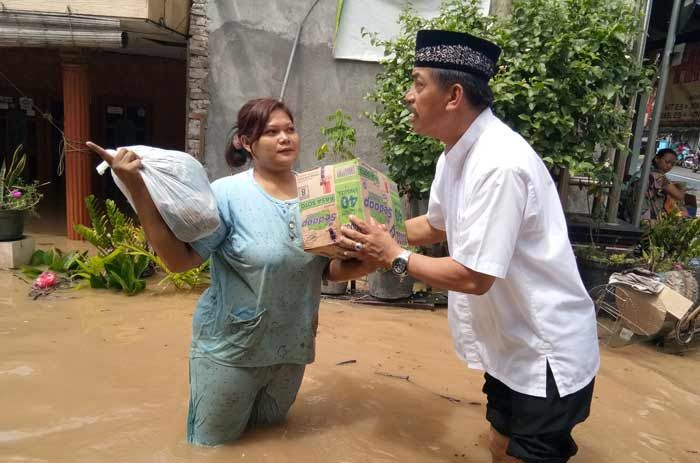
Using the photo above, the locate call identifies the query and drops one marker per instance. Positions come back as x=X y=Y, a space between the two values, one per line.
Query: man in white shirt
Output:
x=517 y=308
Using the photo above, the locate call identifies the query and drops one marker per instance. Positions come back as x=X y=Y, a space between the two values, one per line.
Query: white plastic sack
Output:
x=180 y=189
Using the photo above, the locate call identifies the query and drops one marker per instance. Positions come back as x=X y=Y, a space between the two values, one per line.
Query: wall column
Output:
x=197 y=72
x=78 y=158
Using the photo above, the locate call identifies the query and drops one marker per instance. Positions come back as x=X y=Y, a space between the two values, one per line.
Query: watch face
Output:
x=399 y=265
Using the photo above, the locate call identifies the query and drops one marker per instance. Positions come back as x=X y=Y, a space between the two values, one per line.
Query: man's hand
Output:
x=125 y=164
x=369 y=242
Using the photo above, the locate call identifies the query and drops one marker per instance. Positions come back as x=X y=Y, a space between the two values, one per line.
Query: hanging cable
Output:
x=294 y=49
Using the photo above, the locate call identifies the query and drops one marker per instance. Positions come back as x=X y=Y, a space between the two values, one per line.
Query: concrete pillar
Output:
x=197 y=72
x=501 y=8
x=76 y=122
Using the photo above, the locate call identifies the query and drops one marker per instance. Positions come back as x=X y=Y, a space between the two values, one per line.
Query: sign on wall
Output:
x=682 y=101
x=380 y=16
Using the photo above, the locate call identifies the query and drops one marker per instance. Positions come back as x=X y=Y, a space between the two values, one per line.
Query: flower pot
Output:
x=595 y=273
x=11 y=224
x=334 y=288
x=388 y=286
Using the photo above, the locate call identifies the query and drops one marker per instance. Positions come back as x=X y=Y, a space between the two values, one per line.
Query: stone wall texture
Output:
x=197 y=74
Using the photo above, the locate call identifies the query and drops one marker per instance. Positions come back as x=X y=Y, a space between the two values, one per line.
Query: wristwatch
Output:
x=400 y=265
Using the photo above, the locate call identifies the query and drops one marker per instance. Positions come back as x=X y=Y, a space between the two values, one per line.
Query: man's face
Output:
x=426 y=100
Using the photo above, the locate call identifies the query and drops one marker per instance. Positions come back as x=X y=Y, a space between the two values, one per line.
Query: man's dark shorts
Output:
x=539 y=428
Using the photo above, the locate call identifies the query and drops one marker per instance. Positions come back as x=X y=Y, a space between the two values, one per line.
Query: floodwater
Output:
x=93 y=376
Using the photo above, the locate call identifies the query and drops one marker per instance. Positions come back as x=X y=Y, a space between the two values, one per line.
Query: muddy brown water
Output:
x=93 y=376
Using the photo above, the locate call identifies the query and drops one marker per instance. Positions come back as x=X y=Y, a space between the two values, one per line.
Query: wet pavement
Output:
x=94 y=376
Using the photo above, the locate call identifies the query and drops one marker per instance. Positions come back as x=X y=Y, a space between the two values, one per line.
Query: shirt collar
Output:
x=459 y=151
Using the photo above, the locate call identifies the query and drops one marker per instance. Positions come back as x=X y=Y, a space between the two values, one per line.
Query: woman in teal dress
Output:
x=254 y=328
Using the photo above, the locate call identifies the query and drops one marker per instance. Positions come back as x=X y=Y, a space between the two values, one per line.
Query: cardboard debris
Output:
x=330 y=194
x=676 y=304
x=645 y=314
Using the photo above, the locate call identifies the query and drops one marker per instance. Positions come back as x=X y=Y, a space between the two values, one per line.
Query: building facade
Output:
x=113 y=72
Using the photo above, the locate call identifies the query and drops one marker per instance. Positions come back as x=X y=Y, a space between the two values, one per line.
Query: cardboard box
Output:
x=645 y=314
x=330 y=194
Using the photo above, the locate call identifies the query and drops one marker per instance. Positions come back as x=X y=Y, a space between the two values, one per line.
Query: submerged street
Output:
x=93 y=376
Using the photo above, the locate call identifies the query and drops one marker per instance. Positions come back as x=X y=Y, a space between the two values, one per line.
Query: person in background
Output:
x=517 y=307
x=661 y=197
x=254 y=328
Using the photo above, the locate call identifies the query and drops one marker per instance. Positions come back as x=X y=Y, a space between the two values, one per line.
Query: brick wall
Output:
x=197 y=72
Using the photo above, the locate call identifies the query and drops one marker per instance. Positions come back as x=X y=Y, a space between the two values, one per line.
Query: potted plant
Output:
x=17 y=197
x=340 y=140
x=596 y=264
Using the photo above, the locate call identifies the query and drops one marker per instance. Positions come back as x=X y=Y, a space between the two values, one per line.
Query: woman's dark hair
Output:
x=249 y=127
x=476 y=90
x=664 y=151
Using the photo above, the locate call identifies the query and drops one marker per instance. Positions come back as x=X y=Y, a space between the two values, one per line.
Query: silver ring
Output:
x=358 y=247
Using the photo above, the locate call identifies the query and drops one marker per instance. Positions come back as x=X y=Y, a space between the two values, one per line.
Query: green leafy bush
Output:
x=111 y=228
x=566 y=71
x=566 y=68
x=673 y=241
x=113 y=267
x=125 y=258
x=117 y=270
x=123 y=261
x=191 y=279
x=53 y=260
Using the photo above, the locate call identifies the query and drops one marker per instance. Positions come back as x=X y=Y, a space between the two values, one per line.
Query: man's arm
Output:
x=421 y=233
x=380 y=248
x=447 y=273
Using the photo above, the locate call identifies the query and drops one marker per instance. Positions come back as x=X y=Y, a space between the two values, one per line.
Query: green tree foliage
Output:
x=564 y=75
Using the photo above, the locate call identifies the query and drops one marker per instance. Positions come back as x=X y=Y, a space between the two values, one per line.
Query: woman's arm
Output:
x=343 y=270
x=177 y=255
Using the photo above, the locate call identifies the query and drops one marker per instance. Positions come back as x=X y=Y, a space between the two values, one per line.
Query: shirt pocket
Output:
x=245 y=328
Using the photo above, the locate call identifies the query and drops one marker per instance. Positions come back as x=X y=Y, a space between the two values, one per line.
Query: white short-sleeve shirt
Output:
x=497 y=202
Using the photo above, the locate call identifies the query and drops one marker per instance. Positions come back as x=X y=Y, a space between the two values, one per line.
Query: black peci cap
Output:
x=458 y=51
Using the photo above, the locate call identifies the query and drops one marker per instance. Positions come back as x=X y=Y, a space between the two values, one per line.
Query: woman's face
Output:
x=666 y=162
x=278 y=146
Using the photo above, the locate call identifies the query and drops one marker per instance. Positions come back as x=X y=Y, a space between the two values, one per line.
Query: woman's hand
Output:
x=125 y=164
x=676 y=191
x=177 y=255
x=349 y=269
